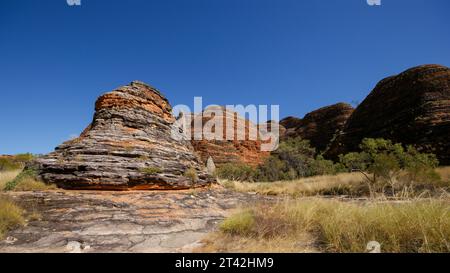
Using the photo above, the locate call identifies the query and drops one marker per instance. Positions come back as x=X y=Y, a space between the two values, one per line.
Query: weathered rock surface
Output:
x=243 y=147
x=99 y=222
x=128 y=145
x=319 y=126
x=411 y=108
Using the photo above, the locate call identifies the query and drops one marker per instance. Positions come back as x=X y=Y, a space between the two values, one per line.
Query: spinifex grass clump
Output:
x=415 y=226
x=10 y=215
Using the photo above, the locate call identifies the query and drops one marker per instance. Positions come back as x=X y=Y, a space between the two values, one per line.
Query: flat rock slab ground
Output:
x=89 y=221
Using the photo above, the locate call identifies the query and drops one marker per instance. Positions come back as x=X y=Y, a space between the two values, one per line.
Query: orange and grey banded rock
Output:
x=412 y=108
x=128 y=145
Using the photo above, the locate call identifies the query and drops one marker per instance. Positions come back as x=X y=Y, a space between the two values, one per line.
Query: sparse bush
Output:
x=191 y=173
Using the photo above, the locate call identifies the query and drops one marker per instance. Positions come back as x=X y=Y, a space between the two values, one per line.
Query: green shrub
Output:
x=294 y=159
x=275 y=169
x=236 y=172
x=355 y=161
x=321 y=166
x=420 y=167
x=389 y=166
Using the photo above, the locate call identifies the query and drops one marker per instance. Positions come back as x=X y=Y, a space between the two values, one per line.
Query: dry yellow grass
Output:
x=31 y=184
x=10 y=215
x=25 y=183
x=7 y=176
x=336 y=226
x=444 y=172
x=331 y=184
x=353 y=184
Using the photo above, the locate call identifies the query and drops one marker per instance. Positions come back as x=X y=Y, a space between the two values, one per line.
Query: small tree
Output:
x=355 y=161
x=385 y=161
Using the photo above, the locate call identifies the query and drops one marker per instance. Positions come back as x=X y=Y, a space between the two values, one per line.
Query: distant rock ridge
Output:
x=412 y=108
x=128 y=146
x=319 y=126
x=240 y=149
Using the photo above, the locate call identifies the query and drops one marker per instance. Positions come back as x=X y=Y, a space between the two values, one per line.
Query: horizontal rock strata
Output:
x=410 y=108
x=129 y=145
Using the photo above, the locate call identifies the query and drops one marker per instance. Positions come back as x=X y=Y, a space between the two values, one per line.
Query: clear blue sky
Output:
x=55 y=60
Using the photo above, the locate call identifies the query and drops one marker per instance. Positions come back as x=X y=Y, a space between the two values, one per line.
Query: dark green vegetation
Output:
x=386 y=168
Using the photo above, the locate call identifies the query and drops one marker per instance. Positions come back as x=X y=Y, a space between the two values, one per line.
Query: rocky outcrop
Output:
x=319 y=126
x=122 y=222
x=129 y=145
x=241 y=148
x=410 y=108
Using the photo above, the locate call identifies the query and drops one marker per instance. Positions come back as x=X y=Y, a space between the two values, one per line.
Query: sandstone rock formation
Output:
x=127 y=146
x=319 y=126
x=242 y=148
x=122 y=222
x=411 y=108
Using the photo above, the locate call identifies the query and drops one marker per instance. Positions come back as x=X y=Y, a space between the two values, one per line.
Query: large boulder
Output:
x=410 y=108
x=129 y=145
x=319 y=126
